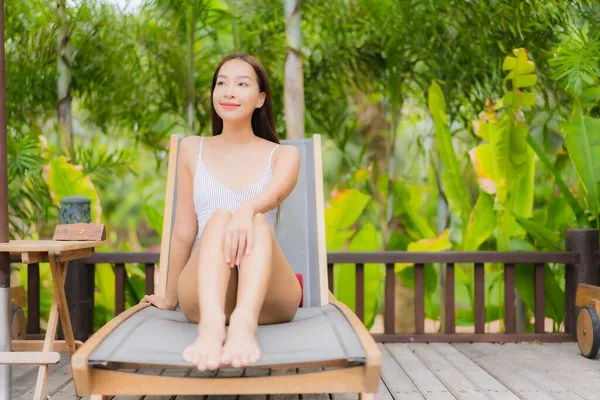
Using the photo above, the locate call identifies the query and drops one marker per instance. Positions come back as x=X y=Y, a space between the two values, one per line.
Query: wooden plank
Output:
x=456 y=382
x=463 y=257
x=77 y=254
x=59 y=274
x=250 y=372
x=145 y=371
x=515 y=354
x=569 y=353
x=479 y=298
x=582 y=381
x=471 y=337
x=586 y=294
x=427 y=383
x=23 y=377
x=36 y=345
x=395 y=379
x=279 y=372
x=390 y=298
x=67 y=392
x=149 y=282
x=493 y=389
x=312 y=396
x=29 y=357
x=43 y=371
x=419 y=298
x=509 y=298
x=527 y=384
x=60 y=375
x=79 y=231
x=383 y=392
x=227 y=373
x=449 y=312
x=20 y=246
x=34 y=257
x=120 y=279
x=330 y=276
x=539 y=298
x=33 y=298
x=360 y=291
x=170 y=372
x=195 y=373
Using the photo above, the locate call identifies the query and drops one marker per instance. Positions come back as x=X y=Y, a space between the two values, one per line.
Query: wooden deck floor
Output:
x=423 y=371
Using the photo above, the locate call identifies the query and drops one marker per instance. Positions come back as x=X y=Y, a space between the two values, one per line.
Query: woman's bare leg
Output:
x=211 y=282
x=268 y=292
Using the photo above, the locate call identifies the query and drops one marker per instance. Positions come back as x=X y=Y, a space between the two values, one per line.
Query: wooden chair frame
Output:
x=363 y=379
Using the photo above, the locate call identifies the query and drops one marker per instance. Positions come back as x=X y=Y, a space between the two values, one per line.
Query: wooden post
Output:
x=5 y=331
x=585 y=243
x=79 y=285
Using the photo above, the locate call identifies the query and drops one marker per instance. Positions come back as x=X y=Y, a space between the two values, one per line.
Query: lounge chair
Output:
x=325 y=335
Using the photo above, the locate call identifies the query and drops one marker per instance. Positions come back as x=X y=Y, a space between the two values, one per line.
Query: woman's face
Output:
x=237 y=93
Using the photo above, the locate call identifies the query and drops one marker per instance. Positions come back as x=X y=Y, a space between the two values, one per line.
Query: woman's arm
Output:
x=185 y=226
x=239 y=235
x=286 y=167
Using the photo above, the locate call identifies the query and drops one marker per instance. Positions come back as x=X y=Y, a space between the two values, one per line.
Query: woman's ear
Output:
x=261 y=100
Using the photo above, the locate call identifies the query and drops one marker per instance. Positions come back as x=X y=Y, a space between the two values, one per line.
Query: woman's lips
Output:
x=229 y=106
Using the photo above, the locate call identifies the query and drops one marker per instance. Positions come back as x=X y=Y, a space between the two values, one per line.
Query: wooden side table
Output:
x=46 y=352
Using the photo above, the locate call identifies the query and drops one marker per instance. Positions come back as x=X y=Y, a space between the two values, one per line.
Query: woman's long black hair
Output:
x=263 y=123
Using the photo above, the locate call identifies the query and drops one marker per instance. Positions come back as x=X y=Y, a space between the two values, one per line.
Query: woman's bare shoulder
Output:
x=188 y=148
x=287 y=152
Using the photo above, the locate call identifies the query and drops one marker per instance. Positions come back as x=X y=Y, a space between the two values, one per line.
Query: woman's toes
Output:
x=225 y=358
x=212 y=364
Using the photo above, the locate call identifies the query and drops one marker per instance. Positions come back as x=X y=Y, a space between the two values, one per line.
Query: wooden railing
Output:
x=449 y=259
x=579 y=261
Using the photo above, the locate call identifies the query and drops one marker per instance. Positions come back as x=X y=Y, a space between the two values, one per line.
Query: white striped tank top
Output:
x=210 y=194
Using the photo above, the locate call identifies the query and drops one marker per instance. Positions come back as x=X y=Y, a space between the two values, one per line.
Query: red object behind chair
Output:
x=301 y=280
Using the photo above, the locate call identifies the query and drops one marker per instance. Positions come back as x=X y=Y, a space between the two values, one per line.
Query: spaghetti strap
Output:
x=271 y=155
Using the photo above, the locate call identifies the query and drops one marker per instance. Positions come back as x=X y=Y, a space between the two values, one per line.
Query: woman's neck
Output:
x=237 y=132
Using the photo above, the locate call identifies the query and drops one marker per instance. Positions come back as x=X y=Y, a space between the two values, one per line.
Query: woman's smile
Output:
x=229 y=106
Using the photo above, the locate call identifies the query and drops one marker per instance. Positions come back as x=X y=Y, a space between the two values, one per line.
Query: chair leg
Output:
x=366 y=396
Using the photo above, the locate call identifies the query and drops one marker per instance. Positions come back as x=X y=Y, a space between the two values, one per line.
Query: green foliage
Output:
x=368 y=72
x=346 y=231
x=452 y=177
x=65 y=179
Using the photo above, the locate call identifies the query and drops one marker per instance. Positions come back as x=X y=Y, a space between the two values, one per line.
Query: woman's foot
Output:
x=241 y=347
x=205 y=352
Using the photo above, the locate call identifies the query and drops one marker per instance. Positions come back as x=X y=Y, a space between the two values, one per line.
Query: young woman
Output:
x=226 y=267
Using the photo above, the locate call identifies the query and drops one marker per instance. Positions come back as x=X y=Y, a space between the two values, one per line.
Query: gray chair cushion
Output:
x=157 y=338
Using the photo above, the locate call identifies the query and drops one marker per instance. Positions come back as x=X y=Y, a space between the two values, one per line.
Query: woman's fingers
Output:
x=227 y=246
x=249 y=241
x=241 y=248
x=233 y=248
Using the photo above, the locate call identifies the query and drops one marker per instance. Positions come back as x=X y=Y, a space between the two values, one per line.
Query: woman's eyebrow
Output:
x=239 y=76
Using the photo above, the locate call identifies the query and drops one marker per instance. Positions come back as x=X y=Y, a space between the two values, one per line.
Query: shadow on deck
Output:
x=533 y=371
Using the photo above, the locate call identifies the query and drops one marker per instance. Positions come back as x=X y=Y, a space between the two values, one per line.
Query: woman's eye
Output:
x=243 y=84
x=220 y=83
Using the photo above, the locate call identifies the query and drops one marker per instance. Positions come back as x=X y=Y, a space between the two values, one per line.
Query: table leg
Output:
x=42 y=379
x=59 y=269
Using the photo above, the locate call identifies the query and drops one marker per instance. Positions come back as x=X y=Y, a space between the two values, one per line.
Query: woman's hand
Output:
x=238 y=235
x=161 y=302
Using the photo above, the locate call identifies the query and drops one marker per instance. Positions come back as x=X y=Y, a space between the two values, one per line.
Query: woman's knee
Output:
x=261 y=224
x=220 y=217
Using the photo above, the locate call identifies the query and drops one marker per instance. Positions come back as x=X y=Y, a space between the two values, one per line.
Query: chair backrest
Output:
x=301 y=228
